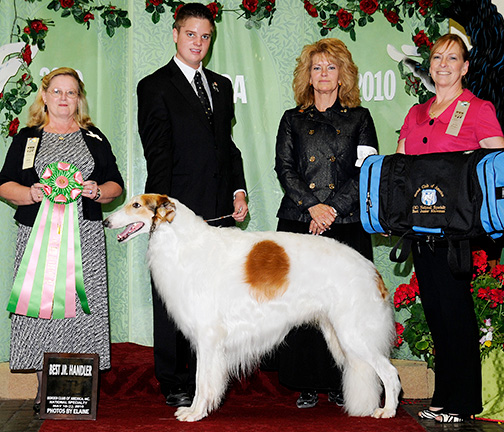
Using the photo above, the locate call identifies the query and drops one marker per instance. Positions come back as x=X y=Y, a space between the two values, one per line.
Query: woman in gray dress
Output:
x=60 y=129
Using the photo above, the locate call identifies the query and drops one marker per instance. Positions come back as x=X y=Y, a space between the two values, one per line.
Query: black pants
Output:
x=449 y=310
x=174 y=361
x=304 y=361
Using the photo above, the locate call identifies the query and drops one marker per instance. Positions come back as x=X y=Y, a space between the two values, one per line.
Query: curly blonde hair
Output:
x=38 y=115
x=337 y=52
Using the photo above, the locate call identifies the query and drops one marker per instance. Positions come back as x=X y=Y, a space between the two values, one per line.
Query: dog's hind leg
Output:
x=211 y=382
x=390 y=379
x=361 y=387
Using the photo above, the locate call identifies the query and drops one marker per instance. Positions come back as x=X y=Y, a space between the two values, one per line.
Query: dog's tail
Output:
x=361 y=388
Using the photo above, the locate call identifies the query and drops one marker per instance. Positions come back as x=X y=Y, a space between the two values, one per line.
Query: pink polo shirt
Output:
x=426 y=135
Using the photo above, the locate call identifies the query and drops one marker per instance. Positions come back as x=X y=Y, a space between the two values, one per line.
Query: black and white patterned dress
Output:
x=32 y=337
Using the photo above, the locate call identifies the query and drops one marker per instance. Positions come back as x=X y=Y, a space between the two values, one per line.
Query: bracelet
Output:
x=98 y=195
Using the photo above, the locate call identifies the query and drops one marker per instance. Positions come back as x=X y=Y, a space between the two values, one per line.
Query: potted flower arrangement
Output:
x=488 y=295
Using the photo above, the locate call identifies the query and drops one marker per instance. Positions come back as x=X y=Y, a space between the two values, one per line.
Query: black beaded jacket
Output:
x=316 y=156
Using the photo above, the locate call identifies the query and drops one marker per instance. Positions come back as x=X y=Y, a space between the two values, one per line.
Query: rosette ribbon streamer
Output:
x=50 y=271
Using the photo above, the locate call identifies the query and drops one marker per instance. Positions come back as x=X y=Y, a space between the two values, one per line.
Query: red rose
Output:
x=391 y=16
x=268 y=7
x=176 y=10
x=311 y=9
x=425 y=4
x=13 y=127
x=250 y=5
x=1 y=95
x=38 y=25
x=368 y=6
x=344 y=18
x=27 y=54
x=422 y=39
x=213 y=8
x=88 y=16
x=66 y=3
x=27 y=30
x=154 y=2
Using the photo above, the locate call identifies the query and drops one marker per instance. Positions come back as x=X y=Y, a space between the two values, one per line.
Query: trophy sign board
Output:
x=69 y=386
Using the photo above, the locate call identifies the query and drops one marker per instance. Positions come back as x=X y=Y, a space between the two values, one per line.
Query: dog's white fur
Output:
x=199 y=271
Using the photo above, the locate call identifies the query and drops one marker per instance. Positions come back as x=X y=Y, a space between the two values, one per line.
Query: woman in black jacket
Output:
x=61 y=135
x=320 y=146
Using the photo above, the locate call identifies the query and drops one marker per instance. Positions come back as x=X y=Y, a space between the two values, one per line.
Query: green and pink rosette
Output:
x=50 y=272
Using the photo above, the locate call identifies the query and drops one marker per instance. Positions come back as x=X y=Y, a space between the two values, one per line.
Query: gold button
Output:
x=312 y=159
x=311 y=132
x=331 y=186
x=312 y=185
x=300 y=202
x=344 y=110
x=332 y=158
x=338 y=131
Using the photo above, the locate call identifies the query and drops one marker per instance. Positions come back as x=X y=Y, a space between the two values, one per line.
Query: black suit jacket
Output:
x=187 y=158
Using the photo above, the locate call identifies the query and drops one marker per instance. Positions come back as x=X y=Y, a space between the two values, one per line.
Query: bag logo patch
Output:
x=429 y=197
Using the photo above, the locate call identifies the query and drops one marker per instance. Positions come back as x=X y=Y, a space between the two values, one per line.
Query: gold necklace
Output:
x=64 y=133
x=444 y=105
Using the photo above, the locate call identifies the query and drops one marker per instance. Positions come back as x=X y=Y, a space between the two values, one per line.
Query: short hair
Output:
x=335 y=51
x=447 y=40
x=193 y=10
x=38 y=115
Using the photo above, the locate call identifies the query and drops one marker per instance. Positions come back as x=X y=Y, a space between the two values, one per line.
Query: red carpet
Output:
x=130 y=401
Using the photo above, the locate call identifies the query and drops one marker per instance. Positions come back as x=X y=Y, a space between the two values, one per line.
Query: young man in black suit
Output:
x=185 y=112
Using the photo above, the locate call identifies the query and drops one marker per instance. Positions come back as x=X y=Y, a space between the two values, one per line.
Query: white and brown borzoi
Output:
x=235 y=295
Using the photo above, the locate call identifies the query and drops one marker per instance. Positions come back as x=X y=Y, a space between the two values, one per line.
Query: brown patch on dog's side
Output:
x=266 y=270
x=381 y=286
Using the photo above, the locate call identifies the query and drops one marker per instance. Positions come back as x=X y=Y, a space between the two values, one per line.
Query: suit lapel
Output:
x=186 y=90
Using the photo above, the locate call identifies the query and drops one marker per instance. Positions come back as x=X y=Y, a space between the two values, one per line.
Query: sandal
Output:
x=449 y=418
x=428 y=414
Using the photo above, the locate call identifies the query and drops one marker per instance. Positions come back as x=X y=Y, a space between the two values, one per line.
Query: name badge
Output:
x=457 y=118
x=30 y=150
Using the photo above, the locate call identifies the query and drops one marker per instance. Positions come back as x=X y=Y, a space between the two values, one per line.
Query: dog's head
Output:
x=142 y=214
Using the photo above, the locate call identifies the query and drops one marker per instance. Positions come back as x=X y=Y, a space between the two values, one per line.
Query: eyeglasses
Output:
x=57 y=93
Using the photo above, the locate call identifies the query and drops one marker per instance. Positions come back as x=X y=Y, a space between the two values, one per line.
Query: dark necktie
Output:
x=203 y=97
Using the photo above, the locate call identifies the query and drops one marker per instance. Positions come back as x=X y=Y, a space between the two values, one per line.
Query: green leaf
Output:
x=352 y=34
x=126 y=23
x=110 y=31
x=422 y=345
x=324 y=32
x=156 y=17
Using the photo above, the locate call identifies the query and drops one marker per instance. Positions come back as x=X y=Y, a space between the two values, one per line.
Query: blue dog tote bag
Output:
x=50 y=272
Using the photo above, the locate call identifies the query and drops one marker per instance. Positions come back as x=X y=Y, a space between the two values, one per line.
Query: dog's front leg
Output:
x=211 y=381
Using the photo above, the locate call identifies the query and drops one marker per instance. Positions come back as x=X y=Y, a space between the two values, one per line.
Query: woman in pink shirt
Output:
x=434 y=127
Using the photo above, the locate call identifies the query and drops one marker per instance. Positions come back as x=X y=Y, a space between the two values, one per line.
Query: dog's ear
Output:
x=166 y=209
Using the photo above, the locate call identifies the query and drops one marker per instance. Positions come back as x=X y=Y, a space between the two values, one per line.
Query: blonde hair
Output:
x=38 y=115
x=337 y=52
